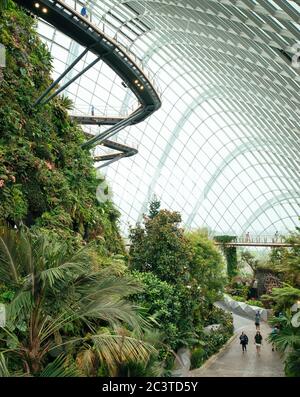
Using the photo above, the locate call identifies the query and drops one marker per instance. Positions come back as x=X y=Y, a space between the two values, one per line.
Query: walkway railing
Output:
x=85 y=28
x=102 y=111
x=94 y=19
x=262 y=240
x=267 y=238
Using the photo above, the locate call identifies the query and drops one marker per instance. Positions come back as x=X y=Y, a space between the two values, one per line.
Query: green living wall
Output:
x=46 y=180
x=230 y=254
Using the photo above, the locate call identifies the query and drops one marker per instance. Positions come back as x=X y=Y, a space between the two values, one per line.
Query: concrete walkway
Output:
x=231 y=362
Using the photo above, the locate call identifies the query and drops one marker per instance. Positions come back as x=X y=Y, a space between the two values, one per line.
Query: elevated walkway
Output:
x=256 y=241
x=70 y=22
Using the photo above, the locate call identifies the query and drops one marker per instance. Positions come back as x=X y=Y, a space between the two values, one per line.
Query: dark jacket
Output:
x=258 y=338
x=244 y=339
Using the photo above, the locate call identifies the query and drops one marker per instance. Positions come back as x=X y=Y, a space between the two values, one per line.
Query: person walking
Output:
x=257 y=320
x=247 y=237
x=275 y=331
x=244 y=341
x=258 y=341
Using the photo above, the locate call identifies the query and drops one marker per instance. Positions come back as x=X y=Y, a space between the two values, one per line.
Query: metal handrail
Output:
x=102 y=111
x=262 y=238
x=105 y=47
x=149 y=76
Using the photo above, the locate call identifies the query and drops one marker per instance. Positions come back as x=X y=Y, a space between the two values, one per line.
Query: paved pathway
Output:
x=232 y=362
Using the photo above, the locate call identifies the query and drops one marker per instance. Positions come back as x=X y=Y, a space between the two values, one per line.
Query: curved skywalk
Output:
x=69 y=20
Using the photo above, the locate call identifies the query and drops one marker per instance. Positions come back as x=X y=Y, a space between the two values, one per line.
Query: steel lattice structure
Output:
x=224 y=147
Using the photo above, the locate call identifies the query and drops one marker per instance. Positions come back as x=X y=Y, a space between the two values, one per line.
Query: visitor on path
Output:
x=257 y=320
x=93 y=110
x=258 y=341
x=247 y=237
x=275 y=331
x=244 y=341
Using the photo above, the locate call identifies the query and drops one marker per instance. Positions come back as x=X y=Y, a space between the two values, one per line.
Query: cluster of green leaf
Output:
x=283 y=298
x=251 y=302
x=287 y=341
x=46 y=179
x=183 y=274
x=230 y=254
x=161 y=301
x=224 y=239
x=210 y=343
x=64 y=316
x=286 y=263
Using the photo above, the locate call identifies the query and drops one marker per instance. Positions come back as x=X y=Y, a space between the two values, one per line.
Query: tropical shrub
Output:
x=283 y=298
x=63 y=313
x=160 y=247
x=183 y=272
x=230 y=254
x=254 y=302
x=238 y=290
x=287 y=341
x=211 y=342
x=207 y=269
x=197 y=357
x=286 y=262
x=161 y=301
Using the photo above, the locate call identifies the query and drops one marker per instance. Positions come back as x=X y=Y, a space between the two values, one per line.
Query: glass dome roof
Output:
x=224 y=147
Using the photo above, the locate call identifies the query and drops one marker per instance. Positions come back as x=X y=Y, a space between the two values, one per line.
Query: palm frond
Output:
x=8 y=259
x=65 y=272
x=22 y=302
x=3 y=4
x=4 y=371
x=113 y=349
x=292 y=364
x=87 y=361
x=60 y=368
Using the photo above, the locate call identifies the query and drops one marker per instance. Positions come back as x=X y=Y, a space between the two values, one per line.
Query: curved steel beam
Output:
x=70 y=22
x=236 y=152
x=269 y=204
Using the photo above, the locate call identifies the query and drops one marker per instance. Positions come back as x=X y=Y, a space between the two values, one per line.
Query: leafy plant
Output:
x=59 y=305
x=161 y=301
x=46 y=179
x=230 y=254
x=283 y=298
x=287 y=341
x=197 y=357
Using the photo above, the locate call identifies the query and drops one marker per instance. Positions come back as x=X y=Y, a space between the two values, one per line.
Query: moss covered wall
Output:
x=46 y=179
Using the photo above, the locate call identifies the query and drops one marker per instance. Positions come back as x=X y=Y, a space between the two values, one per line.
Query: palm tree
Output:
x=287 y=341
x=60 y=306
x=292 y=366
x=3 y=4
